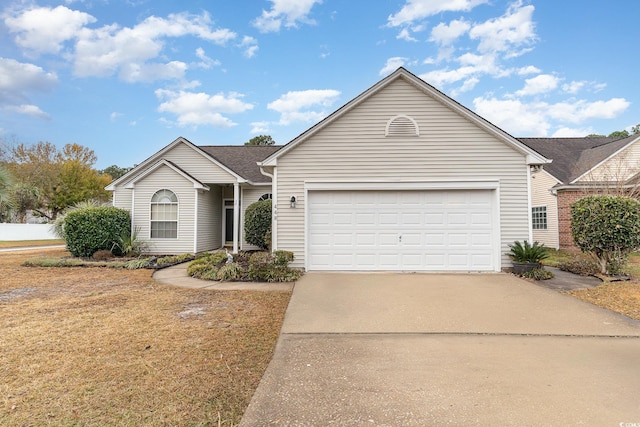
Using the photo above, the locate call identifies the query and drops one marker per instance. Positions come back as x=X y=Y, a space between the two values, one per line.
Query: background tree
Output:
x=114 y=171
x=261 y=140
x=608 y=227
x=619 y=134
x=62 y=177
x=7 y=202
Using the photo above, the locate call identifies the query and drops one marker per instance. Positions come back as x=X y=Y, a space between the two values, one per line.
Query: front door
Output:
x=228 y=223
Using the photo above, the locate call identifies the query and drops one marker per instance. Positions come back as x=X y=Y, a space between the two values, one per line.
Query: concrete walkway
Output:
x=445 y=349
x=177 y=276
x=32 y=248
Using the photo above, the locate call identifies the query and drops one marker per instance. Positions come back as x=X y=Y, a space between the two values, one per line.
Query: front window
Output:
x=539 y=218
x=164 y=215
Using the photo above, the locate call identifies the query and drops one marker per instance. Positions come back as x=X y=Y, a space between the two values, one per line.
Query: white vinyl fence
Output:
x=26 y=232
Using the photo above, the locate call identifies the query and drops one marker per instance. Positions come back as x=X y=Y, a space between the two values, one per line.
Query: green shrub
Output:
x=206 y=266
x=95 y=228
x=129 y=244
x=607 y=227
x=526 y=252
x=538 y=274
x=580 y=265
x=257 y=224
x=282 y=258
x=229 y=272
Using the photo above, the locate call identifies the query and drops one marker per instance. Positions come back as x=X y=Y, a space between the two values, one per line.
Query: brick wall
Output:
x=565 y=199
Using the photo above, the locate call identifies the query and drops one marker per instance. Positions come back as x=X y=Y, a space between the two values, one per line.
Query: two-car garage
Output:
x=402 y=230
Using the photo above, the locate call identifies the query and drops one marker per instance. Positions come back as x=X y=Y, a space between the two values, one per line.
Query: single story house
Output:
x=580 y=167
x=402 y=177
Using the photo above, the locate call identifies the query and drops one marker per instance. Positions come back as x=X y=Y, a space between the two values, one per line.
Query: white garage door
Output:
x=401 y=230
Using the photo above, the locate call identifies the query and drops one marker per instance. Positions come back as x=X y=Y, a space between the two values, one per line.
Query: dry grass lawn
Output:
x=98 y=346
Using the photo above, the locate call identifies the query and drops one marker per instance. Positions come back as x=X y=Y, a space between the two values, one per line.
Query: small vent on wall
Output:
x=401 y=126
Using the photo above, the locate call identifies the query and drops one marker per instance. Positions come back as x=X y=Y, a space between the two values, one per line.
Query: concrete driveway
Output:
x=431 y=349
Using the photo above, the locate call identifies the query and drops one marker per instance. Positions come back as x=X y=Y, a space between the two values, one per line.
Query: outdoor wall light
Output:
x=293 y=201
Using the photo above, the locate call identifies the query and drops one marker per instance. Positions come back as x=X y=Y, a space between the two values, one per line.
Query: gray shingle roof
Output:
x=242 y=159
x=573 y=157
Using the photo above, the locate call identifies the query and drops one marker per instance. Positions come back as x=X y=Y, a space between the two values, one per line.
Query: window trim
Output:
x=537 y=221
x=266 y=196
x=177 y=220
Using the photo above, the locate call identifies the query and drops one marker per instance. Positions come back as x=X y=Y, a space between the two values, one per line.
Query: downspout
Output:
x=274 y=206
x=529 y=220
x=195 y=223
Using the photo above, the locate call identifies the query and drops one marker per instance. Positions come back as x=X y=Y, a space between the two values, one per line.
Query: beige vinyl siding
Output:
x=166 y=178
x=449 y=148
x=620 y=167
x=198 y=166
x=250 y=195
x=541 y=184
x=122 y=198
x=209 y=219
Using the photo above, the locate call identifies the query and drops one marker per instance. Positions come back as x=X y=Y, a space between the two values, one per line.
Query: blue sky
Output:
x=125 y=78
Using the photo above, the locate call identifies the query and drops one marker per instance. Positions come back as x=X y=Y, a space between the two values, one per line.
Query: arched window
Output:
x=164 y=215
x=266 y=196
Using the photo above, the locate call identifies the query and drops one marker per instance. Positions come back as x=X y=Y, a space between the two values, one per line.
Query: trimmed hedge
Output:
x=257 y=224
x=96 y=228
x=608 y=227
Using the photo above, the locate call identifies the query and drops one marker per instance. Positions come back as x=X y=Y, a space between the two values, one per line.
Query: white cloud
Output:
x=404 y=34
x=17 y=81
x=577 y=86
x=393 y=64
x=287 y=12
x=133 y=53
x=260 y=128
x=468 y=85
x=194 y=109
x=115 y=116
x=250 y=46
x=28 y=110
x=542 y=83
x=537 y=118
x=509 y=32
x=529 y=69
x=44 y=30
x=111 y=49
x=304 y=106
x=444 y=34
x=416 y=10
x=566 y=132
x=205 y=61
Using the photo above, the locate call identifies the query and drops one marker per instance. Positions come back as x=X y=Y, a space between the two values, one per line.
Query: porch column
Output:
x=236 y=215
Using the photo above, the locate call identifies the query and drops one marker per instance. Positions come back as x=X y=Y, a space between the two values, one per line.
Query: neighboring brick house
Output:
x=580 y=167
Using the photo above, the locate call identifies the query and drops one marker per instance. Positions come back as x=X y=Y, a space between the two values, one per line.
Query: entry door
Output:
x=228 y=221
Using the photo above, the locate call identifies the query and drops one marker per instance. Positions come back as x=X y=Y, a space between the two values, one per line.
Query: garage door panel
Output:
x=401 y=230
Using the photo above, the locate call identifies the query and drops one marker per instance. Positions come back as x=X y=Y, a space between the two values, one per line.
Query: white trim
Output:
x=404 y=116
x=529 y=195
x=195 y=222
x=430 y=185
x=166 y=239
x=236 y=216
x=633 y=141
x=196 y=184
x=159 y=154
x=401 y=185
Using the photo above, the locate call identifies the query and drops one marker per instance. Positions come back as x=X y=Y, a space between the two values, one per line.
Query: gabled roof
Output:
x=164 y=162
x=533 y=157
x=242 y=159
x=239 y=161
x=574 y=157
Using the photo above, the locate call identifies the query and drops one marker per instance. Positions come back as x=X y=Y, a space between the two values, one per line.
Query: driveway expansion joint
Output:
x=474 y=334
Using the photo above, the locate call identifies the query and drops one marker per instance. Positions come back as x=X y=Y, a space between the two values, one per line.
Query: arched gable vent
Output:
x=401 y=125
